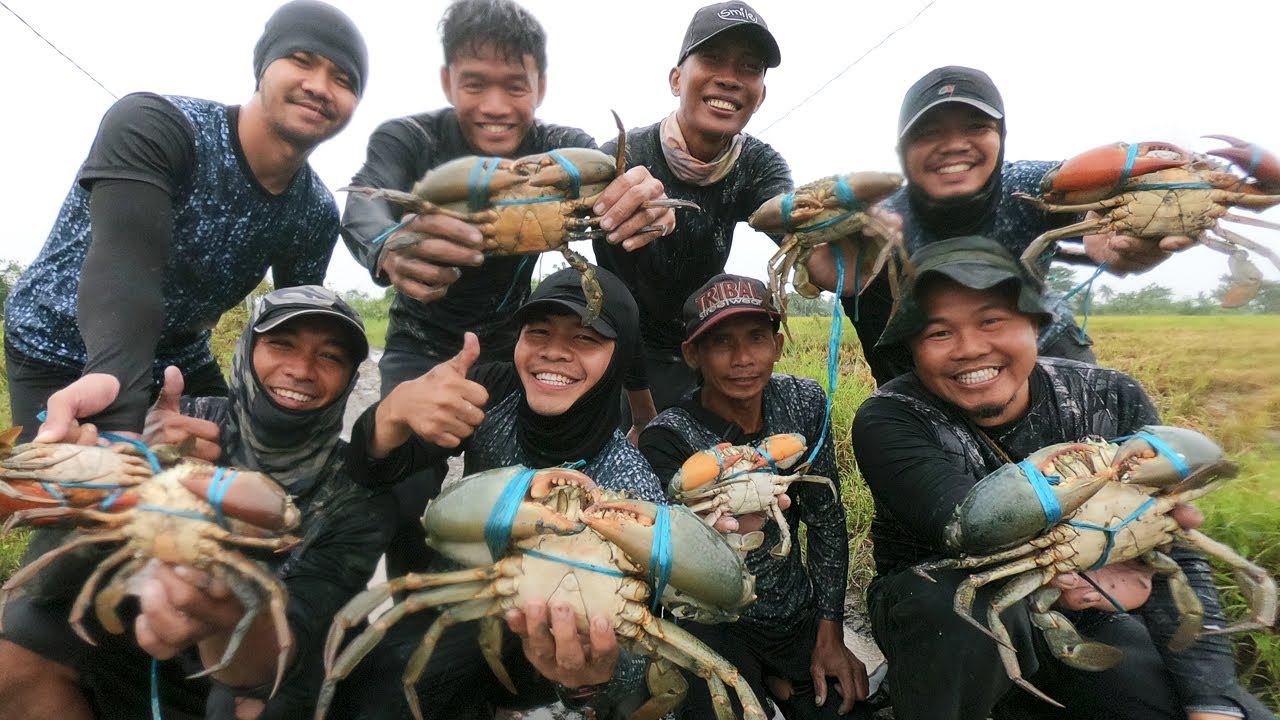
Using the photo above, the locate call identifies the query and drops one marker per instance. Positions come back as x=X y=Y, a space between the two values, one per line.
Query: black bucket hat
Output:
x=972 y=261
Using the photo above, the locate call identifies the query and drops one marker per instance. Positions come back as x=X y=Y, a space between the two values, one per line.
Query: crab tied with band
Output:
x=552 y=535
x=193 y=514
x=1081 y=506
x=522 y=206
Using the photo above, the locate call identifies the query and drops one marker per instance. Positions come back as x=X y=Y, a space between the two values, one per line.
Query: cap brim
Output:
x=277 y=319
x=600 y=324
x=773 y=54
x=728 y=313
x=991 y=112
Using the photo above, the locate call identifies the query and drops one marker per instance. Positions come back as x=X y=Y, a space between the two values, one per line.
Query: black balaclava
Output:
x=289 y=445
x=587 y=426
x=315 y=27
x=964 y=215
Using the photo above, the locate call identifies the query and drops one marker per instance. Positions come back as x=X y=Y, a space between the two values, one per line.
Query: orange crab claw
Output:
x=243 y=494
x=705 y=466
x=783 y=449
x=1103 y=168
x=1256 y=161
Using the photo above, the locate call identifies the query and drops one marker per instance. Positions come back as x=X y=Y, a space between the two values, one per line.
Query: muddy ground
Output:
x=857 y=630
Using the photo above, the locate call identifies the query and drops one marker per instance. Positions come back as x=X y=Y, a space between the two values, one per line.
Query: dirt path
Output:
x=857 y=630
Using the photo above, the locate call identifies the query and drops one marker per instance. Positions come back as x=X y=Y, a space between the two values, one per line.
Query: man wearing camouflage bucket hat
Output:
x=978 y=398
x=793 y=634
x=292 y=372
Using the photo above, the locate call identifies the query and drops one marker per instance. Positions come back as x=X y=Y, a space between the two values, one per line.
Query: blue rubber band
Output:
x=1041 y=484
x=660 y=555
x=773 y=464
x=1129 y=160
x=788 y=204
x=138 y=444
x=497 y=529
x=524 y=260
x=575 y=177
x=110 y=500
x=382 y=237
x=1087 y=304
x=1110 y=532
x=52 y=489
x=155 y=689
x=218 y=489
x=42 y=415
x=1255 y=159
x=189 y=514
x=585 y=566
x=833 y=351
x=478 y=185
x=1162 y=448
x=845 y=195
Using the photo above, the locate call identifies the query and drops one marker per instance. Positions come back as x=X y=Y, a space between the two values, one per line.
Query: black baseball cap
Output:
x=949 y=84
x=973 y=261
x=725 y=296
x=712 y=20
x=562 y=290
x=285 y=304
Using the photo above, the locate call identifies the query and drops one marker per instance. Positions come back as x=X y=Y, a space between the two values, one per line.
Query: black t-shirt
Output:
x=664 y=273
x=400 y=152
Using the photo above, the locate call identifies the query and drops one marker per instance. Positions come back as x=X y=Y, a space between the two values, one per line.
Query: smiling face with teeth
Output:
x=303 y=364
x=720 y=86
x=494 y=97
x=977 y=350
x=558 y=361
x=951 y=151
x=304 y=99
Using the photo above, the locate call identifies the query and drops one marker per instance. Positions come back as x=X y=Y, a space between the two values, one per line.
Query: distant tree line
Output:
x=1160 y=300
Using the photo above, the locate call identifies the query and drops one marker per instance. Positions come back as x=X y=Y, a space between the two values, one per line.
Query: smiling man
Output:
x=177 y=213
x=701 y=154
x=980 y=398
x=793 y=633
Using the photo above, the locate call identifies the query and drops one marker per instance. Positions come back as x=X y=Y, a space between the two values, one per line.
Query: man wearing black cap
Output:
x=794 y=632
x=177 y=213
x=951 y=137
x=701 y=154
x=555 y=403
x=292 y=371
x=979 y=398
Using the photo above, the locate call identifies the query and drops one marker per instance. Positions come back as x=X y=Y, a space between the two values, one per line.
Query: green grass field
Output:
x=1220 y=375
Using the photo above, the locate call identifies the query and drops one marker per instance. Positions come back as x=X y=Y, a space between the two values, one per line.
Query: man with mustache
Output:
x=979 y=398
x=951 y=140
x=179 y=210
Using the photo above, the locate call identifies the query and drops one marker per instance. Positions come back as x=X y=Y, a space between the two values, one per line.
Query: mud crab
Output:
x=552 y=534
x=186 y=515
x=1154 y=189
x=830 y=210
x=1082 y=506
x=525 y=206
x=41 y=475
x=740 y=479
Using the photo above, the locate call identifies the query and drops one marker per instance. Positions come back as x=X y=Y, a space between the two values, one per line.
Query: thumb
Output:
x=467 y=356
x=171 y=392
x=87 y=396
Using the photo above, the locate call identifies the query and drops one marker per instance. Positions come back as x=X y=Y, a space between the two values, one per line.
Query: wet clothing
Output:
x=920 y=457
x=776 y=633
x=662 y=274
x=1014 y=223
x=458 y=679
x=400 y=152
x=178 y=231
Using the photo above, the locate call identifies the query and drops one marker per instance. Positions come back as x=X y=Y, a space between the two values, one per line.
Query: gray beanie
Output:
x=316 y=27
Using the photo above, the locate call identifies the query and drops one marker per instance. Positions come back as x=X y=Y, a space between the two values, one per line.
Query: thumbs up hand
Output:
x=442 y=407
x=167 y=425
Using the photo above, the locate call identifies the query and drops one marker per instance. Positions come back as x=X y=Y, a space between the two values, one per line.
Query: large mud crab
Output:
x=1153 y=190
x=187 y=515
x=741 y=479
x=553 y=535
x=830 y=210
x=525 y=206
x=1082 y=506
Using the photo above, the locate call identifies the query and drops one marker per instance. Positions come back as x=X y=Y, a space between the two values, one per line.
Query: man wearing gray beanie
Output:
x=177 y=213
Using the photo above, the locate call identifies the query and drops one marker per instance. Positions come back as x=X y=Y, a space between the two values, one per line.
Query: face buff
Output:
x=689 y=168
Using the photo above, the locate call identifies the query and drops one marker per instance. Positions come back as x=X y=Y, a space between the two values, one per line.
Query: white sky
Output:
x=1074 y=75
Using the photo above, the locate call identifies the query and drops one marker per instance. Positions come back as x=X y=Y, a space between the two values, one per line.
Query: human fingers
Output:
x=570 y=656
x=171 y=391
x=604 y=642
x=466 y=239
x=856 y=686
x=87 y=396
x=645 y=227
x=422 y=281
x=85 y=434
x=1188 y=516
x=161 y=628
x=466 y=357
x=1176 y=243
x=539 y=645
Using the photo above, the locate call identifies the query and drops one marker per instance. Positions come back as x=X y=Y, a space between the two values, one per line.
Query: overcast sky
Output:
x=1074 y=75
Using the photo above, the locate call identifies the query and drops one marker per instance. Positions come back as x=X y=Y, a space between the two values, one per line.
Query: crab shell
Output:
x=711 y=465
x=457 y=180
x=703 y=566
x=1003 y=508
x=815 y=203
x=245 y=495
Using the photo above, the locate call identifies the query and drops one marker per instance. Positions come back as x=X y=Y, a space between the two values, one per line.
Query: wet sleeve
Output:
x=827 y=538
x=665 y=450
x=396 y=149
x=142 y=137
x=906 y=469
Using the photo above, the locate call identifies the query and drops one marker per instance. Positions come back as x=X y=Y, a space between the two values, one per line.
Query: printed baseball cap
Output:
x=712 y=20
x=723 y=297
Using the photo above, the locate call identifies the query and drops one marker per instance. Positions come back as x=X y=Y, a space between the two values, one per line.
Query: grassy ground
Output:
x=1220 y=375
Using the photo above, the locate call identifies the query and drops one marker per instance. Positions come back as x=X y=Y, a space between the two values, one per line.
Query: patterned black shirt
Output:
x=786 y=593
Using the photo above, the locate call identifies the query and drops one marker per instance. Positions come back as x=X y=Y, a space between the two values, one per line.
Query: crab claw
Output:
x=1162 y=456
x=550 y=503
x=709 y=466
x=1095 y=173
x=702 y=564
x=1246 y=280
x=1256 y=161
x=1010 y=506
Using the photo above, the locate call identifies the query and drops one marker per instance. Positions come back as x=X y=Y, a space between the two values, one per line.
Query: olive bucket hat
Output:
x=972 y=261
